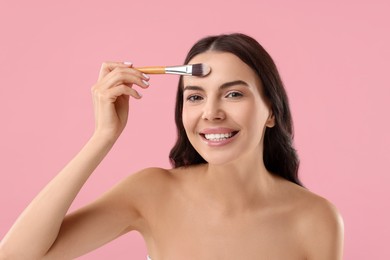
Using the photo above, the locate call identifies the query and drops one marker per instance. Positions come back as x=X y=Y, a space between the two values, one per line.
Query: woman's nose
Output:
x=212 y=111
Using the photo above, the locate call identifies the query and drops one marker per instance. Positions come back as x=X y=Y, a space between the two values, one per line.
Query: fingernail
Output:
x=145 y=76
x=139 y=94
x=128 y=63
x=145 y=82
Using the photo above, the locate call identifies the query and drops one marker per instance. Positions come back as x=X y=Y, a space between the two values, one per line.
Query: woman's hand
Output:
x=111 y=95
x=43 y=231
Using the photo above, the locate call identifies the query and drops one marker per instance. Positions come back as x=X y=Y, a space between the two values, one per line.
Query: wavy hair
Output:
x=279 y=156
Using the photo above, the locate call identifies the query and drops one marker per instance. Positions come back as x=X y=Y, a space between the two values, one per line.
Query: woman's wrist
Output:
x=100 y=136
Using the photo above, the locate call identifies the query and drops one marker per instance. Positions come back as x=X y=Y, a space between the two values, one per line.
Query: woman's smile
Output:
x=218 y=136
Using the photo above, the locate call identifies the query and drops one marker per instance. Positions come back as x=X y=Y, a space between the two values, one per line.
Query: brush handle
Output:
x=152 y=70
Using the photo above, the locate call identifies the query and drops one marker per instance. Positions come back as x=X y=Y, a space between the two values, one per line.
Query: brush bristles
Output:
x=200 y=70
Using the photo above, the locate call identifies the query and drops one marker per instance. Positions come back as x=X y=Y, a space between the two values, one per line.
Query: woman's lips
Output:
x=218 y=136
x=217 y=130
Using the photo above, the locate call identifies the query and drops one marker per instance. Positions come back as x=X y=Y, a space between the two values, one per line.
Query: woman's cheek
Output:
x=186 y=116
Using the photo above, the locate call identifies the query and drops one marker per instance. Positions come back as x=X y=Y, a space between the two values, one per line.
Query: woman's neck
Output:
x=238 y=185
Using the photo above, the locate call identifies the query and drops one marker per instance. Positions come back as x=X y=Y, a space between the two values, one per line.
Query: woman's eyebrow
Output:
x=233 y=83
x=223 y=86
x=192 y=88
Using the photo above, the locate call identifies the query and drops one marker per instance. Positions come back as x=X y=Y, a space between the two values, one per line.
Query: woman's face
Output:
x=224 y=113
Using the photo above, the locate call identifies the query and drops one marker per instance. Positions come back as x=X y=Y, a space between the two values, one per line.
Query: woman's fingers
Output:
x=115 y=92
x=119 y=74
x=109 y=66
x=127 y=76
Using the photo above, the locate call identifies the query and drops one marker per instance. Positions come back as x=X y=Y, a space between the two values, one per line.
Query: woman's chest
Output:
x=201 y=235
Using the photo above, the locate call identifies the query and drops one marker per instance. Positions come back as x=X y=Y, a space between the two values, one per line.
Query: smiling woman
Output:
x=229 y=104
x=233 y=191
x=254 y=58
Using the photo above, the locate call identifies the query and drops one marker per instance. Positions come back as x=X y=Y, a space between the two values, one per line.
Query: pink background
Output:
x=333 y=57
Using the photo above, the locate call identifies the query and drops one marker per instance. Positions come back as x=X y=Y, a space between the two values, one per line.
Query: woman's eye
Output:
x=194 y=98
x=234 y=94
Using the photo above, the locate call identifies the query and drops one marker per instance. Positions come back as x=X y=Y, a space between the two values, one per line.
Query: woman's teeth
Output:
x=218 y=137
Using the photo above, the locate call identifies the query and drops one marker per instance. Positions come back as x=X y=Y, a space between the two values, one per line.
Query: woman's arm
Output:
x=41 y=231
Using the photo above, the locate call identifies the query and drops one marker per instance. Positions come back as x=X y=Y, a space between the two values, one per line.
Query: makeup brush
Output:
x=199 y=70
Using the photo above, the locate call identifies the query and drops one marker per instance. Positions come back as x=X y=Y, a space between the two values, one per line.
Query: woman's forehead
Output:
x=224 y=66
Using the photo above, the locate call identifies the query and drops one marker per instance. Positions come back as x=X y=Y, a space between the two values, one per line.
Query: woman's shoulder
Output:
x=310 y=207
x=316 y=207
x=147 y=179
x=318 y=221
x=156 y=176
x=152 y=180
x=159 y=176
x=151 y=174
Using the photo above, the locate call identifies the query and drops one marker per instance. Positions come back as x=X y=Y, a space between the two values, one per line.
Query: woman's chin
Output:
x=219 y=160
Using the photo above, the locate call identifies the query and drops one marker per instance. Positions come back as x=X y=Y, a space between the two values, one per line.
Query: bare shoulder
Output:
x=147 y=182
x=313 y=206
x=150 y=176
x=319 y=224
x=155 y=177
x=149 y=186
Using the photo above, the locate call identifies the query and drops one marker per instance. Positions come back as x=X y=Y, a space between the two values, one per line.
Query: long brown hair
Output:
x=280 y=157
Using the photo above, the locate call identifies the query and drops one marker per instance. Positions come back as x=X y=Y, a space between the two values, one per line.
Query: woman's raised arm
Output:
x=41 y=232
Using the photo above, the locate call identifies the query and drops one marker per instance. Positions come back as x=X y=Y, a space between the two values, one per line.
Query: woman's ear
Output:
x=270 y=120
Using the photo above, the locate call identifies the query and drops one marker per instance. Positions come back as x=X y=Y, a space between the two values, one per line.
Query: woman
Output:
x=233 y=192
